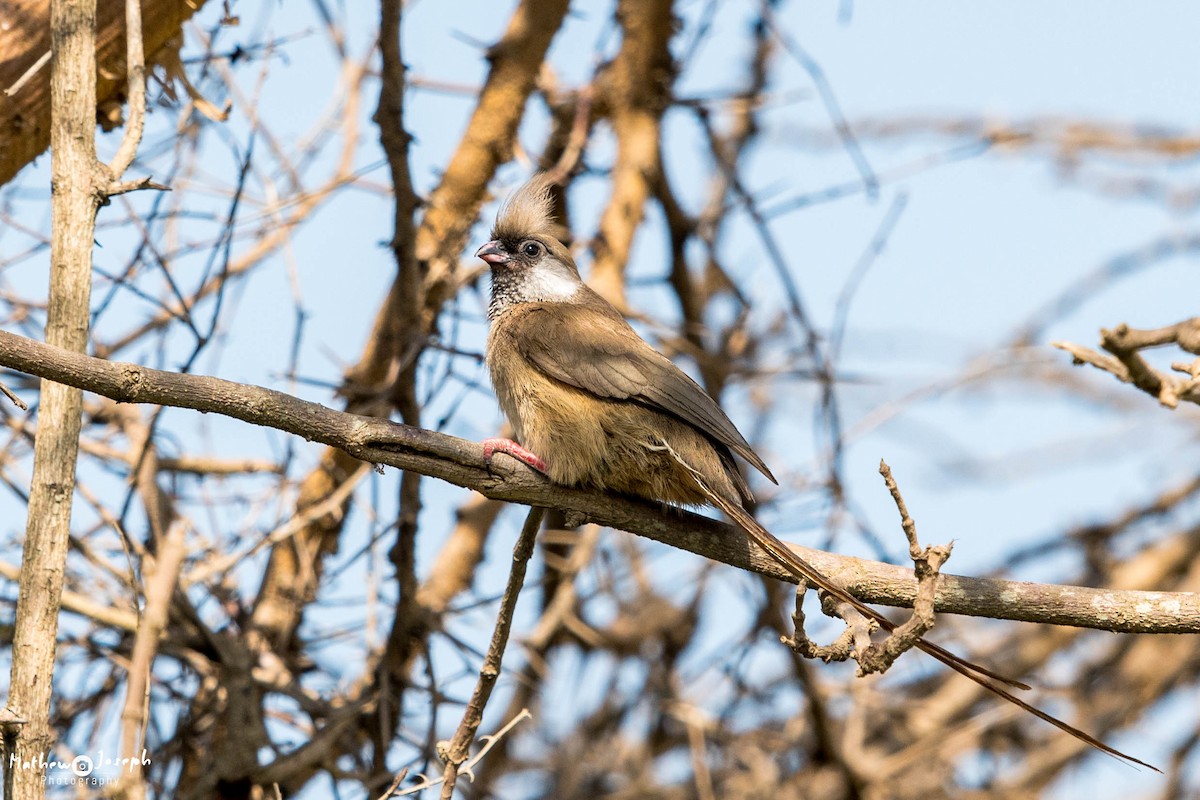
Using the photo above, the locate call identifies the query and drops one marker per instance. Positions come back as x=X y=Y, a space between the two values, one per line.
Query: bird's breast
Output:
x=561 y=424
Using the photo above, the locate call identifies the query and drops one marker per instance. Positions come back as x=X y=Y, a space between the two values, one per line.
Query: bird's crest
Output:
x=529 y=211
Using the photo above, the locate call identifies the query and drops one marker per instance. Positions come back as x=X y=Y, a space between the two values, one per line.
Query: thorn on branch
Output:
x=444 y=752
x=124 y=187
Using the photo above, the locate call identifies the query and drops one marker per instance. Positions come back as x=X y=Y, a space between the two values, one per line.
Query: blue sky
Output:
x=981 y=245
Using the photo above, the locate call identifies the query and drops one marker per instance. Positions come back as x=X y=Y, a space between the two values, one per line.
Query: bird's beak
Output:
x=492 y=253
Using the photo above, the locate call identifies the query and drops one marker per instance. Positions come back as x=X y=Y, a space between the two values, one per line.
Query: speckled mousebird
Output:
x=592 y=404
x=597 y=405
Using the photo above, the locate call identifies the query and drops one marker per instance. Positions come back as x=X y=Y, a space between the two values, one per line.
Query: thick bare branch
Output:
x=488 y=142
x=634 y=91
x=77 y=178
x=461 y=462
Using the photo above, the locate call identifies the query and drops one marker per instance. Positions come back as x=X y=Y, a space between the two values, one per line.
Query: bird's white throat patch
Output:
x=547 y=283
x=542 y=283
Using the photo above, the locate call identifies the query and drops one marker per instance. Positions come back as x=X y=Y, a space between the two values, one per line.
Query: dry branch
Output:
x=633 y=91
x=251 y=658
x=449 y=210
x=457 y=750
x=488 y=142
x=461 y=462
x=1127 y=364
x=78 y=180
x=927 y=565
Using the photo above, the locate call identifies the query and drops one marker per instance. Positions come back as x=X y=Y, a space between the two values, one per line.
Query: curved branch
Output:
x=461 y=462
x=634 y=90
x=135 y=65
x=453 y=205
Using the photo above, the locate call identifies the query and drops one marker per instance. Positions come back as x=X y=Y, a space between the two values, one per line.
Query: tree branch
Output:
x=633 y=91
x=457 y=750
x=135 y=67
x=461 y=462
x=1128 y=365
x=76 y=177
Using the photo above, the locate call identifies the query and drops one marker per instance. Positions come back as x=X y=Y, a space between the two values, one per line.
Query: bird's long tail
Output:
x=789 y=560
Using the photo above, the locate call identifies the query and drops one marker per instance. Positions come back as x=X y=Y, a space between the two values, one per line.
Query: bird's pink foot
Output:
x=493 y=446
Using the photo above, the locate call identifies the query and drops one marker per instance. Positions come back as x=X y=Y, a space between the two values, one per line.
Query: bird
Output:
x=593 y=405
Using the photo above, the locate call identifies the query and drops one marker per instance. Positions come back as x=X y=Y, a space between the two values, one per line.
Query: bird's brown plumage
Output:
x=599 y=405
x=597 y=438
x=528 y=212
x=601 y=408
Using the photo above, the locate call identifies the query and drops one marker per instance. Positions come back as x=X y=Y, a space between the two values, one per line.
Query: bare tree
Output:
x=262 y=592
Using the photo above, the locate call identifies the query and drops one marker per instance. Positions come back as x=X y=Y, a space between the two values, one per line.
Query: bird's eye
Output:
x=531 y=249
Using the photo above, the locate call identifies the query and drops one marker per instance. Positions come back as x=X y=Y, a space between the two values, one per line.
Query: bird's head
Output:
x=528 y=260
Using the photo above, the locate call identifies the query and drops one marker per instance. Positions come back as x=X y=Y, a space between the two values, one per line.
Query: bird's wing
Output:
x=586 y=348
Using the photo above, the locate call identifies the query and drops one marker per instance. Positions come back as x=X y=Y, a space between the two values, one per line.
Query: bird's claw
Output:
x=509 y=447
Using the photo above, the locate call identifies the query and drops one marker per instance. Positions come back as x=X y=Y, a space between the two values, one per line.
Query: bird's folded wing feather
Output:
x=598 y=353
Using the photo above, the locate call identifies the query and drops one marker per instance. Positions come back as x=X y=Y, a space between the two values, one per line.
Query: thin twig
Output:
x=870 y=180
x=489 y=743
x=42 y=61
x=457 y=749
x=16 y=401
x=160 y=587
x=135 y=70
x=1127 y=364
x=927 y=563
x=394 y=785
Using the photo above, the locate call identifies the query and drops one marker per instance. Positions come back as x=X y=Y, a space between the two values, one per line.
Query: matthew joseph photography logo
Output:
x=78 y=769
